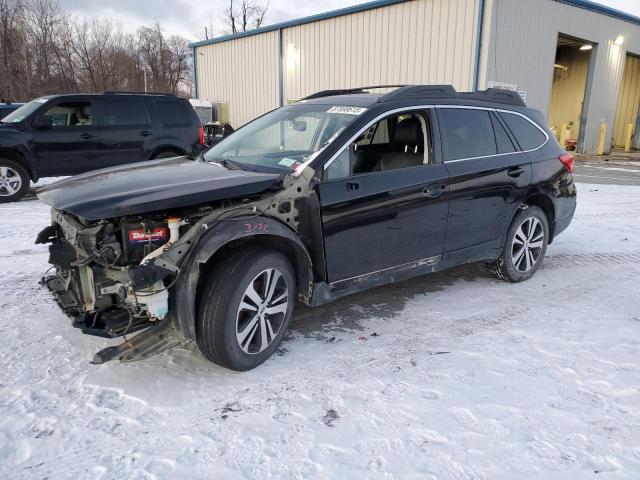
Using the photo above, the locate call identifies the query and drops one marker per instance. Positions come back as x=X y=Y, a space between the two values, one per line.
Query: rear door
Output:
x=488 y=177
x=125 y=130
x=177 y=125
x=376 y=219
x=72 y=145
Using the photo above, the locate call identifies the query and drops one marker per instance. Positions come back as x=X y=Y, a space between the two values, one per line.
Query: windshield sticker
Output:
x=286 y=162
x=346 y=109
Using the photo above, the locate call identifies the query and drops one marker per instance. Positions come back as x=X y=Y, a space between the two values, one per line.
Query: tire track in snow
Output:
x=564 y=260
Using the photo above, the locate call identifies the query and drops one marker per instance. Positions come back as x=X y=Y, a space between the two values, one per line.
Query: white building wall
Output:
x=242 y=72
x=519 y=46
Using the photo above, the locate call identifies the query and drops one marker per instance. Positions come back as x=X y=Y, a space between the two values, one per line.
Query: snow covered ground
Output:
x=451 y=376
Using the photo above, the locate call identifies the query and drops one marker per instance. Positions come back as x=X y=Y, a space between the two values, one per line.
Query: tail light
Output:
x=201 y=135
x=567 y=160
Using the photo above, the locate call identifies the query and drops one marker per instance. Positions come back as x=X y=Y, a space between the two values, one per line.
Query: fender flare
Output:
x=184 y=295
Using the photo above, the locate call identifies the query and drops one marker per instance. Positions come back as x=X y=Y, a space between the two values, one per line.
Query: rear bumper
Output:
x=561 y=225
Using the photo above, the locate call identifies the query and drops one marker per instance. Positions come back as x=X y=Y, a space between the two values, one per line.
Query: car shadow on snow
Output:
x=386 y=302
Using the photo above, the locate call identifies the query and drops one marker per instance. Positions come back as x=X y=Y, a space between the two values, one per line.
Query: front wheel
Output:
x=525 y=246
x=245 y=308
x=14 y=181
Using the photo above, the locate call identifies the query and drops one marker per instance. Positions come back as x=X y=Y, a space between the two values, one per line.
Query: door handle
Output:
x=434 y=190
x=87 y=136
x=146 y=133
x=515 y=171
x=352 y=186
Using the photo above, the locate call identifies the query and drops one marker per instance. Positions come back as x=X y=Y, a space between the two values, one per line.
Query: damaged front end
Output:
x=108 y=278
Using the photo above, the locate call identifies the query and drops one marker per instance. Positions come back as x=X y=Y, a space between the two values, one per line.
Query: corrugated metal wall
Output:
x=422 y=41
x=243 y=72
x=419 y=41
x=520 y=45
x=629 y=99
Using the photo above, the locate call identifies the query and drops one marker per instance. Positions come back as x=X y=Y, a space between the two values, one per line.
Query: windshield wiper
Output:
x=230 y=164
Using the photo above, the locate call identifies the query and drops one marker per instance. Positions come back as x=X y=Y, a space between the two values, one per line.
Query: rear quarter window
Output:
x=174 y=114
x=526 y=133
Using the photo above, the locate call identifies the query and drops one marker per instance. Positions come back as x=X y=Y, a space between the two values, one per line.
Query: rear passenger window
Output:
x=173 y=114
x=503 y=142
x=124 y=113
x=527 y=134
x=468 y=133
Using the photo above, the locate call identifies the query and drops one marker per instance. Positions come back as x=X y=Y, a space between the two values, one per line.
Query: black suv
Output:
x=338 y=193
x=70 y=134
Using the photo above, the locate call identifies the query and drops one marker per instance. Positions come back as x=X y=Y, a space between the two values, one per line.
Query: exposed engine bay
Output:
x=115 y=276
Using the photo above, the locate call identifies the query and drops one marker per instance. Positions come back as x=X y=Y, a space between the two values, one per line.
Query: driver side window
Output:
x=398 y=141
x=70 y=114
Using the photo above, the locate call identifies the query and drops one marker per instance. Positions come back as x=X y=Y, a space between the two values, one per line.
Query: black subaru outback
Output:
x=69 y=134
x=338 y=193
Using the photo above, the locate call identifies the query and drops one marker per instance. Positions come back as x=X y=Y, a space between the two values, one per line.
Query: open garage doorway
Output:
x=628 y=104
x=570 y=77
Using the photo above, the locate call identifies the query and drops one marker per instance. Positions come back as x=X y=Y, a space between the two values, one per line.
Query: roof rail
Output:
x=347 y=91
x=114 y=92
x=440 y=92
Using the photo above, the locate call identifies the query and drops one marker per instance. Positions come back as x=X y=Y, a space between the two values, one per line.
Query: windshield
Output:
x=285 y=138
x=24 y=111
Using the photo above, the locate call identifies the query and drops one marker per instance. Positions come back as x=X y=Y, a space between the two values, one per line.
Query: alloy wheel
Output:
x=527 y=244
x=10 y=182
x=262 y=311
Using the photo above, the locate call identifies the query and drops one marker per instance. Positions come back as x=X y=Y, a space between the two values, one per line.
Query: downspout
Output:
x=476 y=73
x=195 y=72
x=280 y=70
x=636 y=136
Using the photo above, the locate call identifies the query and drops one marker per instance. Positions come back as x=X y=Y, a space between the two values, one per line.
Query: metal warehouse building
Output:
x=576 y=61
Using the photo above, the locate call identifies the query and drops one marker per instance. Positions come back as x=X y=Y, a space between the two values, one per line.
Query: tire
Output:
x=230 y=324
x=165 y=154
x=14 y=181
x=517 y=264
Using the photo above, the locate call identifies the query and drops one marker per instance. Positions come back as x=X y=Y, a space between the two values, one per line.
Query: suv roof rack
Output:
x=440 y=92
x=114 y=92
x=430 y=92
x=347 y=91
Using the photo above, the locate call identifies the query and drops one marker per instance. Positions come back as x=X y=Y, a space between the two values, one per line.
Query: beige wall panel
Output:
x=243 y=72
x=419 y=41
x=521 y=45
x=628 y=100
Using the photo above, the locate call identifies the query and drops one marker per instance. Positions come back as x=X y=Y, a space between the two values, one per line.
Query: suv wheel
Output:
x=14 y=181
x=525 y=246
x=245 y=308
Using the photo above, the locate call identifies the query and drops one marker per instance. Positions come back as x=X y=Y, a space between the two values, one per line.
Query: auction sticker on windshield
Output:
x=346 y=109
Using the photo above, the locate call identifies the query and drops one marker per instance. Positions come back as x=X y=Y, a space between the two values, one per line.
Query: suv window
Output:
x=173 y=113
x=527 y=134
x=503 y=142
x=468 y=133
x=71 y=114
x=124 y=112
x=392 y=143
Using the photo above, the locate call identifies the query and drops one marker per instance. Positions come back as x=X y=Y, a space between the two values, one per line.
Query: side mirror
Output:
x=43 y=122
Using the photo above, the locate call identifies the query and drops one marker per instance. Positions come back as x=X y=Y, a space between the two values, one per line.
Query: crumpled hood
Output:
x=150 y=187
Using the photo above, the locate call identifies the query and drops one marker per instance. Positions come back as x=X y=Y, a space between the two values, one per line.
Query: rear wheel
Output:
x=245 y=309
x=165 y=154
x=525 y=246
x=14 y=181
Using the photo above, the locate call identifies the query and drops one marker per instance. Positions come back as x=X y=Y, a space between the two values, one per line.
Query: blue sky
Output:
x=189 y=17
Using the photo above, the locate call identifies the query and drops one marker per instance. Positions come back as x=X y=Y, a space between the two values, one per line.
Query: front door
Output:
x=384 y=200
x=488 y=177
x=72 y=144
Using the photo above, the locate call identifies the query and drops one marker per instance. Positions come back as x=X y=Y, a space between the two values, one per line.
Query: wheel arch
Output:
x=18 y=157
x=229 y=236
x=167 y=148
x=544 y=203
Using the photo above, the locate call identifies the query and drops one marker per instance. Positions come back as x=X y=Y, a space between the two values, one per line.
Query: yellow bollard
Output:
x=563 y=135
x=603 y=134
x=628 y=133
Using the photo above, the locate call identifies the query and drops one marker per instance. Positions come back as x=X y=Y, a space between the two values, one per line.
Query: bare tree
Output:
x=247 y=16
